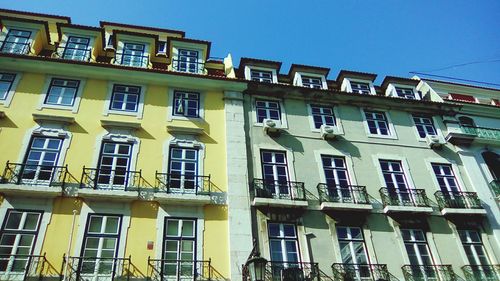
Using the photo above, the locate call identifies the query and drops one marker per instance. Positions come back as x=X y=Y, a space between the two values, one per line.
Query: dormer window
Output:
x=16 y=42
x=77 y=48
x=360 y=88
x=312 y=82
x=133 y=55
x=261 y=76
x=187 y=61
x=162 y=47
x=406 y=93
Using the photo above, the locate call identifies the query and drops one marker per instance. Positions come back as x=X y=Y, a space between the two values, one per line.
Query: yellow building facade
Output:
x=114 y=139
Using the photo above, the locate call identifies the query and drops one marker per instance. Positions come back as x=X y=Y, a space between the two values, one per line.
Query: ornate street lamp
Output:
x=256 y=268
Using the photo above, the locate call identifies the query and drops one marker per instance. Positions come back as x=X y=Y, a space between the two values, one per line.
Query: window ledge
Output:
x=382 y=136
x=123 y=112
x=53 y=118
x=185 y=130
x=120 y=124
x=61 y=107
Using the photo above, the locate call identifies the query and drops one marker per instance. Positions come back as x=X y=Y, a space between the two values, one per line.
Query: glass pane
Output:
x=95 y=224
x=112 y=225
x=188 y=228
x=172 y=227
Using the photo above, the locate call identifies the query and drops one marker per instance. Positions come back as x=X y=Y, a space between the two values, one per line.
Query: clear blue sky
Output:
x=390 y=37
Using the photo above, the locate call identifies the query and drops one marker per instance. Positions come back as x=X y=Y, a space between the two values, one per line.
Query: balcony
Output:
x=405 y=201
x=468 y=134
x=287 y=194
x=481 y=272
x=495 y=188
x=69 y=53
x=107 y=184
x=457 y=202
x=428 y=273
x=360 y=272
x=288 y=271
x=132 y=60
x=91 y=268
x=22 y=179
x=183 y=189
x=15 y=47
x=349 y=198
x=22 y=267
x=189 y=67
x=186 y=270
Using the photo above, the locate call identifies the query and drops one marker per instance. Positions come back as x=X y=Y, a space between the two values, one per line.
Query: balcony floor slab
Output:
x=189 y=199
x=284 y=203
x=108 y=194
x=407 y=209
x=43 y=191
x=345 y=206
x=462 y=211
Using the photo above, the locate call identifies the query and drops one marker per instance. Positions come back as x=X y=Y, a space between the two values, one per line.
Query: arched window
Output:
x=493 y=162
x=466 y=121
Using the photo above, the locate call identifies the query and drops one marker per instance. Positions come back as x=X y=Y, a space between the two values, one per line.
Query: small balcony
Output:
x=288 y=271
x=18 y=48
x=183 y=188
x=481 y=272
x=188 y=66
x=22 y=267
x=91 y=268
x=457 y=202
x=186 y=270
x=348 y=198
x=405 y=201
x=70 y=53
x=495 y=188
x=108 y=183
x=18 y=178
x=468 y=134
x=133 y=60
x=428 y=273
x=360 y=272
x=286 y=194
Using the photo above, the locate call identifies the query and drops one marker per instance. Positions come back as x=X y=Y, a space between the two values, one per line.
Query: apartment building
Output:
x=113 y=150
x=356 y=181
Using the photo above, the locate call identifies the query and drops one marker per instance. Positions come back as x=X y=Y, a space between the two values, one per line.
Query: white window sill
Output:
x=186 y=118
x=382 y=136
x=119 y=112
x=59 y=107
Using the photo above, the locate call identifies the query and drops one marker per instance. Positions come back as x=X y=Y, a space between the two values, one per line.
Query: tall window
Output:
x=186 y=104
x=125 y=98
x=377 y=123
x=133 y=55
x=41 y=158
x=360 y=88
x=183 y=169
x=478 y=259
x=267 y=109
x=188 y=61
x=353 y=250
x=322 y=115
x=6 y=81
x=335 y=171
x=100 y=245
x=312 y=82
x=395 y=181
x=261 y=76
x=18 y=237
x=445 y=177
x=284 y=248
x=179 y=247
x=406 y=93
x=62 y=92
x=77 y=48
x=275 y=172
x=418 y=254
x=425 y=126
x=114 y=164
x=16 y=42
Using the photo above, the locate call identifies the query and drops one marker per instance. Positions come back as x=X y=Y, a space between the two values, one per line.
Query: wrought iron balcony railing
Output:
x=288 y=271
x=428 y=273
x=27 y=174
x=495 y=187
x=188 y=66
x=15 y=47
x=132 y=60
x=186 y=270
x=108 y=179
x=290 y=190
x=22 y=267
x=360 y=272
x=482 y=132
x=92 y=268
x=183 y=183
x=70 y=53
x=481 y=272
x=355 y=194
x=458 y=199
x=407 y=197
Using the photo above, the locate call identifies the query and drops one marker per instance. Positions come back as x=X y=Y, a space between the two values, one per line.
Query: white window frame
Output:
x=404 y=164
x=170 y=105
x=248 y=70
x=390 y=125
x=391 y=90
x=338 y=121
x=283 y=120
x=414 y=242
x=454 y=167
x=434 y=122
x=28 y=27
x=176 y=46
x=297 y=79
x=258 y=162
x=335 y=153
x=282 y=238
x=140 y=104
x=10 y=94
x=346 y=85
x=184 y=142
x=132 y=40
x=65 y=38
x=77 y=99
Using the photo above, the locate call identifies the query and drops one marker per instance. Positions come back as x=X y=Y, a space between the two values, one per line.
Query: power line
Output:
x=461 y=64
x=457 y=79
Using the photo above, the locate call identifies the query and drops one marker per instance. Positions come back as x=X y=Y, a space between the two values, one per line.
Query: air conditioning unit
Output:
x=329 y=132
x=435 y=141
x=271 y=126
